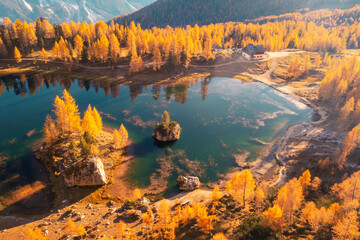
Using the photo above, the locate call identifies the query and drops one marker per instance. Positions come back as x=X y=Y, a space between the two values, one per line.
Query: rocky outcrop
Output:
x=143 y=205
x=166 y=130
x=188 y=183
x=166 y=134
x=89 y=172
x=130 y=215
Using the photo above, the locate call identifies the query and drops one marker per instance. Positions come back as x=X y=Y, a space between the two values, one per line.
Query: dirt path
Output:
x=302 y=136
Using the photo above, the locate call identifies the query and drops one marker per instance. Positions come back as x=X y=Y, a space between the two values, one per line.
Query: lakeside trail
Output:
x=299 y=138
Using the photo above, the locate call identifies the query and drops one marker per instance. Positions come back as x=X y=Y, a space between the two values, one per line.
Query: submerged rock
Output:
x=188 y=183
x=89 y=172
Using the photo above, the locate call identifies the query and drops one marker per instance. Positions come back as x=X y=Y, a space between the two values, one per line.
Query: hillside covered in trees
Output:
x=182 y=12
x=166 y=47
x=326 y=17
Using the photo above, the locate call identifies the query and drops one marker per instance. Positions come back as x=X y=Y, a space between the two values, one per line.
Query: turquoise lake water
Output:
x=219 y=117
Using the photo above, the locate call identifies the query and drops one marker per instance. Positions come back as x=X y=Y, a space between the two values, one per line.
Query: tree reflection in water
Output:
x=23 y=84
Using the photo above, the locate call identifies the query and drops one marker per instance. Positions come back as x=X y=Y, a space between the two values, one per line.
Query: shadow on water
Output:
x=29 y=195
x=139 y=149
x=27 y=191
x=161 y=144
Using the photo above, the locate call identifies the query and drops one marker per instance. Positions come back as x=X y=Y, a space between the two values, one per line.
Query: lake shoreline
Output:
x=264 y=167
x=290 y=147
x=104 y=73
x=195 y=71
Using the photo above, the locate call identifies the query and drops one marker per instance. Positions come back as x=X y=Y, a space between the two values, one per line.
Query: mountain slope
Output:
x=58 y=11
x=191 y=12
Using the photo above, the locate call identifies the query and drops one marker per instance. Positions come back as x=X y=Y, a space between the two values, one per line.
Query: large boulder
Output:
x=167 y=133
x=143 y=204
x=188 y=183
x=89 y=172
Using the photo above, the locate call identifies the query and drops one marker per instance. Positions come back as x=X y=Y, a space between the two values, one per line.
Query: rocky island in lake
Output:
x=78 y=152
x=166 y=130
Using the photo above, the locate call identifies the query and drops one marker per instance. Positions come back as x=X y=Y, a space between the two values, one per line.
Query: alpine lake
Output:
x=219 y=117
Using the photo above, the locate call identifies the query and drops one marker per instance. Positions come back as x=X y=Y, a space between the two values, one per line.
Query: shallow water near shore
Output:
x=219 y=117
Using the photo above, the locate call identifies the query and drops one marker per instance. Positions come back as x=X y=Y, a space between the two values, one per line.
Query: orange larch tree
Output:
x=78 y=46
x=67 y=112
x=241 y=187
x=274 y=218
x=88 y=123
x=157 y=59
x=98 y=120
x=17 y=55
x=64 y=52
x=114 y=48
x=124 y=133
x=118 y=140
x=44 y=55
x=347 y=227
x=290 y=198
x=50 y=131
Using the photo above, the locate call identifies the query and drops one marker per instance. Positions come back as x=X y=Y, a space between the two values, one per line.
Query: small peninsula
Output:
x=166 y=130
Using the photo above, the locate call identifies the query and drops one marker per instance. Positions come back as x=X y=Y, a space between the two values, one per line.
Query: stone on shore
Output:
x=189 y=183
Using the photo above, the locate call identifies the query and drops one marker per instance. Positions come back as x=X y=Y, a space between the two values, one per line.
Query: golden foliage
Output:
x=259 y=197
x=72 y=228
x=78 y=46
x=63 y=51
x=97 y=119
x=44 y=55
x=50 y=131
x=349 y=191
x=124 y=133
x=88 y=123
x=219 y=236
x=17 y=55
x=274 y=218
x=318 y=218
x=164 y=222
x=137 y=194
x=148 y=218
x=316 y=184
x=289 y=198
x=67 y=112
x=157 y=59
x=241 y=187
x=34 y=234
x=120 y=137
x=305 y=180
x=216 y=195
x=347 y=227
x=136 y=64
x=114 y=48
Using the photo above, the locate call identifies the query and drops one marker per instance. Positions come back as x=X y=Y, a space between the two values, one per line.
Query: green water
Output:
x=218 y=116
